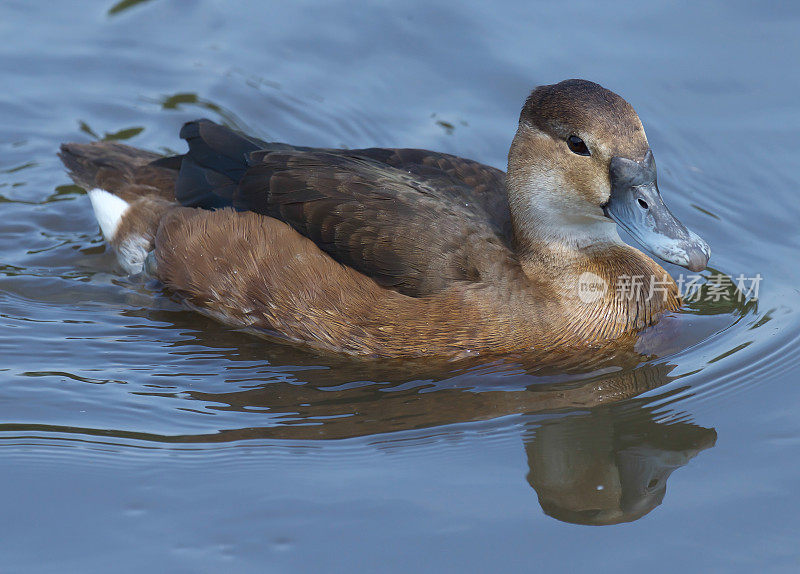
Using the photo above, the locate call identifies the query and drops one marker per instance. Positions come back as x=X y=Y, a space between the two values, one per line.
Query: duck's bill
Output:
x=636 y=205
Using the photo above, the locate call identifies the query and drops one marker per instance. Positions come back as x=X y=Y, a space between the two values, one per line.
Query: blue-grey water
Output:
x=136 y=436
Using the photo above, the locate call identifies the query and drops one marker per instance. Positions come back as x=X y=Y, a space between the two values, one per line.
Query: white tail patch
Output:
x=108 y=209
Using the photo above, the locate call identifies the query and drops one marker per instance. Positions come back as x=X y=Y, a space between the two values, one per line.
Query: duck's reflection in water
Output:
x=597 y=454
x=608 y=465
x=605 y=464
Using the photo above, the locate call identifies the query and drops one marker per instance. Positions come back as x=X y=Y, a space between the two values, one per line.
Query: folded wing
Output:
x=412 y=220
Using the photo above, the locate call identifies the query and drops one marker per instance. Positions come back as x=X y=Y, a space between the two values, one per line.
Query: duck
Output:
x=400 y=253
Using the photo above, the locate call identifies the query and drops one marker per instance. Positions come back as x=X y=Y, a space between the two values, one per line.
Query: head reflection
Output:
x=609 y=465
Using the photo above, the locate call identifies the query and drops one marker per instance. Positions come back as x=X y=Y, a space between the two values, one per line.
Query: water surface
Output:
x=137 y=436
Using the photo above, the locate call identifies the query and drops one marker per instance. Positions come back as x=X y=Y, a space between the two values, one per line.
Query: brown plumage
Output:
x=391 y=252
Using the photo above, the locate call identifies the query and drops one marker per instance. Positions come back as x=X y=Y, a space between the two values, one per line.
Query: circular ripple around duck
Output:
x=739 y=356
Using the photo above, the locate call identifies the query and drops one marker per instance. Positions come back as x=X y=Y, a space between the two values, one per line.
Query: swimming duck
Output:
x=406 y=252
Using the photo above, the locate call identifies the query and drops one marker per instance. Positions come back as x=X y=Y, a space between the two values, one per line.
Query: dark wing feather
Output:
x=218 y=158
x=386 y=223
x=412 y=220
x=454 y=177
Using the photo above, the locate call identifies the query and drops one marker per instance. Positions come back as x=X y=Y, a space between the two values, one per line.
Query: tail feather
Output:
x=130 y=190
x=207 y=176
x=122 y=170
x=116 y=163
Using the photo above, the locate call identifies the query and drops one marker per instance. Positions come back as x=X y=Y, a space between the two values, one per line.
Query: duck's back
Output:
x=413 y=220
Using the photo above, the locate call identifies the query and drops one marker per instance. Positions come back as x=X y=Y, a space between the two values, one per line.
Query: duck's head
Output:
x=579 y=165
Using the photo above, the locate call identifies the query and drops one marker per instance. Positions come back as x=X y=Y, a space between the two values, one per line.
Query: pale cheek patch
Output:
x=108 y=209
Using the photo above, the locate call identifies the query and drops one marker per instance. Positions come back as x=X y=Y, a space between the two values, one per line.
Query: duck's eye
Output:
x=577 y=145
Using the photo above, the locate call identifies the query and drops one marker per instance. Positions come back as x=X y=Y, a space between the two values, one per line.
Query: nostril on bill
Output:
x=642 y=203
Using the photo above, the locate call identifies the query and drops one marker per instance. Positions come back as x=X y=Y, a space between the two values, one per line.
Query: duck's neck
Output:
x=605 y=287
x=605 y=291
